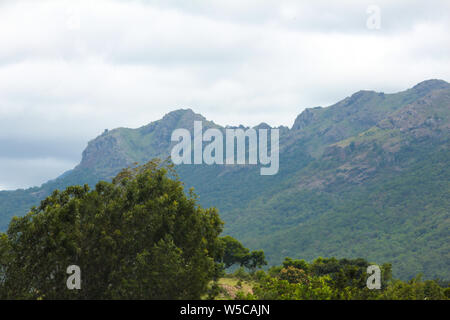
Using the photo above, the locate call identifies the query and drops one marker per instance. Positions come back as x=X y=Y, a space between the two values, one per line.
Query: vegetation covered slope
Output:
x=142 y=237
x=366 y=177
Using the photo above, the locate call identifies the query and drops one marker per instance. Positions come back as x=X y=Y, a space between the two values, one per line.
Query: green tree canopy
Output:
x=235 y=253
x=139 y=237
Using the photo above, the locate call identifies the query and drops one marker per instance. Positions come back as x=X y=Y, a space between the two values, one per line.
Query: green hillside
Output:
x=367 y=177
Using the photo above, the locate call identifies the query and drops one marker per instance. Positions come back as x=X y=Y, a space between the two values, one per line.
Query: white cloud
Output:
x=68 y=69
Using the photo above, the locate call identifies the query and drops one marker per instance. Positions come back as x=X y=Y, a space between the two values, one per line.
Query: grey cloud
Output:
x=322 y=15
x=235 y=62
x=28 y=172
x=41 y=148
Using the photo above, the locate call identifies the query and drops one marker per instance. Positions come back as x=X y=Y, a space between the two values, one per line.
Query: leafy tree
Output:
x=139 y=237
x=296 y=263
x=235 y=253
x=338 y=279
x=255 y=259
x=294 y=275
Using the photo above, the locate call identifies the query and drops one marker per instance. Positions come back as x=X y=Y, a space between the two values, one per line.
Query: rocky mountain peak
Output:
x=181 y=116
x=262 y=125
x=305 y=118
x=432 y=84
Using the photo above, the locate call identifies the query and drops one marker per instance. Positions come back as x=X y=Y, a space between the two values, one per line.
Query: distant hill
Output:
x=366 y=177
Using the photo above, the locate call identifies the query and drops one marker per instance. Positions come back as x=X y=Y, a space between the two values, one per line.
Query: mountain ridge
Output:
x=357 y=160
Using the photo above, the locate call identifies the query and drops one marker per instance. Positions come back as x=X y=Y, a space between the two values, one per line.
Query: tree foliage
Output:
x=139 y=237
x=338 y=279
x=235 y=253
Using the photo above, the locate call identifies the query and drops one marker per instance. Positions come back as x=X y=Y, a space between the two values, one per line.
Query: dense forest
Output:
x=142 y=236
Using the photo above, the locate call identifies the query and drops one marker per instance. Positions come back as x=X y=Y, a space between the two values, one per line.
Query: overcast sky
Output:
x=70 y=69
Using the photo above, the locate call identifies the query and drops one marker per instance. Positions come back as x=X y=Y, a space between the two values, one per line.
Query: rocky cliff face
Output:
x=305 y=118
x=105 y=152
x=122 y=147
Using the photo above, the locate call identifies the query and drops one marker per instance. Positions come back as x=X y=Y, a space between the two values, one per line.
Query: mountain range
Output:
x=366 y=177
